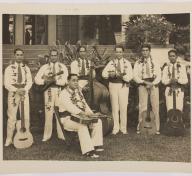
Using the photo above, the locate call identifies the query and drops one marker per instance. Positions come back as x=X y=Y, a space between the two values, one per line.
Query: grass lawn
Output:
x=131 y=147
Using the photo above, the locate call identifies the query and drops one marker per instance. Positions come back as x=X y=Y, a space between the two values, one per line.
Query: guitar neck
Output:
x=173 y=88
x=22 y=113
x=148 y=104
x=91 y=84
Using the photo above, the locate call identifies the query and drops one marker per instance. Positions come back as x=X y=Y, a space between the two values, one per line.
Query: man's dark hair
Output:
x=18 y=49
x=146 y=45
x=53 y=50
x=78 y=50
x=172 y=51
x=71 y=75
x=119 y=46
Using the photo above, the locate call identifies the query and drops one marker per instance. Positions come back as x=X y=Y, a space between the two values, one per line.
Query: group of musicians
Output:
x=146 y=73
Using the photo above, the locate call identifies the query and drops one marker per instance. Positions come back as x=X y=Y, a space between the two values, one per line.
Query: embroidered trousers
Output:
x=179 y=99
x=51 y=99
x=13 y=105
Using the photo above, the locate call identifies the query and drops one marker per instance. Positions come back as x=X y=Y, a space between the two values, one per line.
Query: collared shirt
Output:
x=66 y=103
x=180 y=73
x=140 y=72
x=48 y=69
x=125 y=67
x=76 y=67
x=11 y=77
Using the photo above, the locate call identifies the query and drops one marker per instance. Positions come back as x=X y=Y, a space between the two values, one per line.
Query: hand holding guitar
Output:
x=20 y=92
x=148 y=84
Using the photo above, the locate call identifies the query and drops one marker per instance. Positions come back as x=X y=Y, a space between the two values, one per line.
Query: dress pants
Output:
x=119 y=102
x=87 y=141
x=154 y=99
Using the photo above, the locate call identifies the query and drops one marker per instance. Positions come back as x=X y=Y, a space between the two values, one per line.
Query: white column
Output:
x=124 y=18
x=19 y=30
x=52 y=22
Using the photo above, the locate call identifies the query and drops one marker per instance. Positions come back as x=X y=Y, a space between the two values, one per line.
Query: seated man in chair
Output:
x=71 y=101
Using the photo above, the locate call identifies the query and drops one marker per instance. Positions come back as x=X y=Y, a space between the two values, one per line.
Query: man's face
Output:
x=172 y=57
x=82 y=52
x=53 y=56
x=19 y=56
x=145 y=52
x=119 y=53
x=73 y=82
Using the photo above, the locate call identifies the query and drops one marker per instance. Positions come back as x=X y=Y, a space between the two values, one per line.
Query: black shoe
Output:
x=92 y=154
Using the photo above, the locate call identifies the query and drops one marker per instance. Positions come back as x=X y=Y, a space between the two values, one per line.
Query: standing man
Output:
x=119 y=73
x=81 y=67
x=71 y=101
x=54 y=74
x=147 y=74
x=179 y=79
x=18 y=81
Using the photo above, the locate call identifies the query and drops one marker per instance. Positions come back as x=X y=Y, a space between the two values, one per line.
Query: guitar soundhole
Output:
x=148 y=119
x=23 y=130
x=175 y=118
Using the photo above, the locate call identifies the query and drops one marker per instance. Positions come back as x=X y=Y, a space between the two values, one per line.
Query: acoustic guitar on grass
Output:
x=23 y=137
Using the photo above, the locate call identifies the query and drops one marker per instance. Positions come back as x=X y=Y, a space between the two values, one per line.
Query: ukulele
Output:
x=23 y=137
x=174 y=116
x=147 y=125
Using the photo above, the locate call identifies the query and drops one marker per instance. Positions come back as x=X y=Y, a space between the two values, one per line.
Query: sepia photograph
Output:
x=112 y=87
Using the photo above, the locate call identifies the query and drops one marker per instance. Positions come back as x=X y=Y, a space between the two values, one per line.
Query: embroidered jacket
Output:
x=125 y=68
x=72 y=101
x=11 y=77
x=48 y=69
x=180 y=73
x=140 y=71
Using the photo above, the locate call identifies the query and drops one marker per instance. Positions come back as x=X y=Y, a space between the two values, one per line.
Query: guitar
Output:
x=23 y=137
x=42 y=88
x=147 y=125
x=174 y=116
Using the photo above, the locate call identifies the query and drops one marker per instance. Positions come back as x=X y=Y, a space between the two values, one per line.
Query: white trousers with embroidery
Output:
x=179 y=99
x=119 y=101
x=87 y=140
x=51 y=99
x=13 y=105
x=154 y=98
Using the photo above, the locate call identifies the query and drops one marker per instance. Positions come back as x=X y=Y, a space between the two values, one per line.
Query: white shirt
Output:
x=125 y=68
x=66 y=103
x=140 y=73
x=11 y=77
x=46 y=69
x=76 y=67
x=180 y=73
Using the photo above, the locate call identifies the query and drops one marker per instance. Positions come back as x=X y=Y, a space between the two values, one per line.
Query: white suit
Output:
x=181 y=76
x=119 y=92
x=142 y=70
x=66 y=103
x=11 y=78
x=51 y=95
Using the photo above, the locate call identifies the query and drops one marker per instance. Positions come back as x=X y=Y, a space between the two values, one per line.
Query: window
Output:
x=8 y=29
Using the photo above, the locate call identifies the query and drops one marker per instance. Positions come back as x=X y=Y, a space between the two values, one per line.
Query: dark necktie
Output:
x=54 y=69
x=19 y=74
x=118 y=67
x=148 y=70
x=83 y=67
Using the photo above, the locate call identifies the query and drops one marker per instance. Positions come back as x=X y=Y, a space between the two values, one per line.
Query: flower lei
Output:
x=141 y=60
x=170 y=75
x=124 y=66
x=79 y=103
x=80 y=65
x=14 y=79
